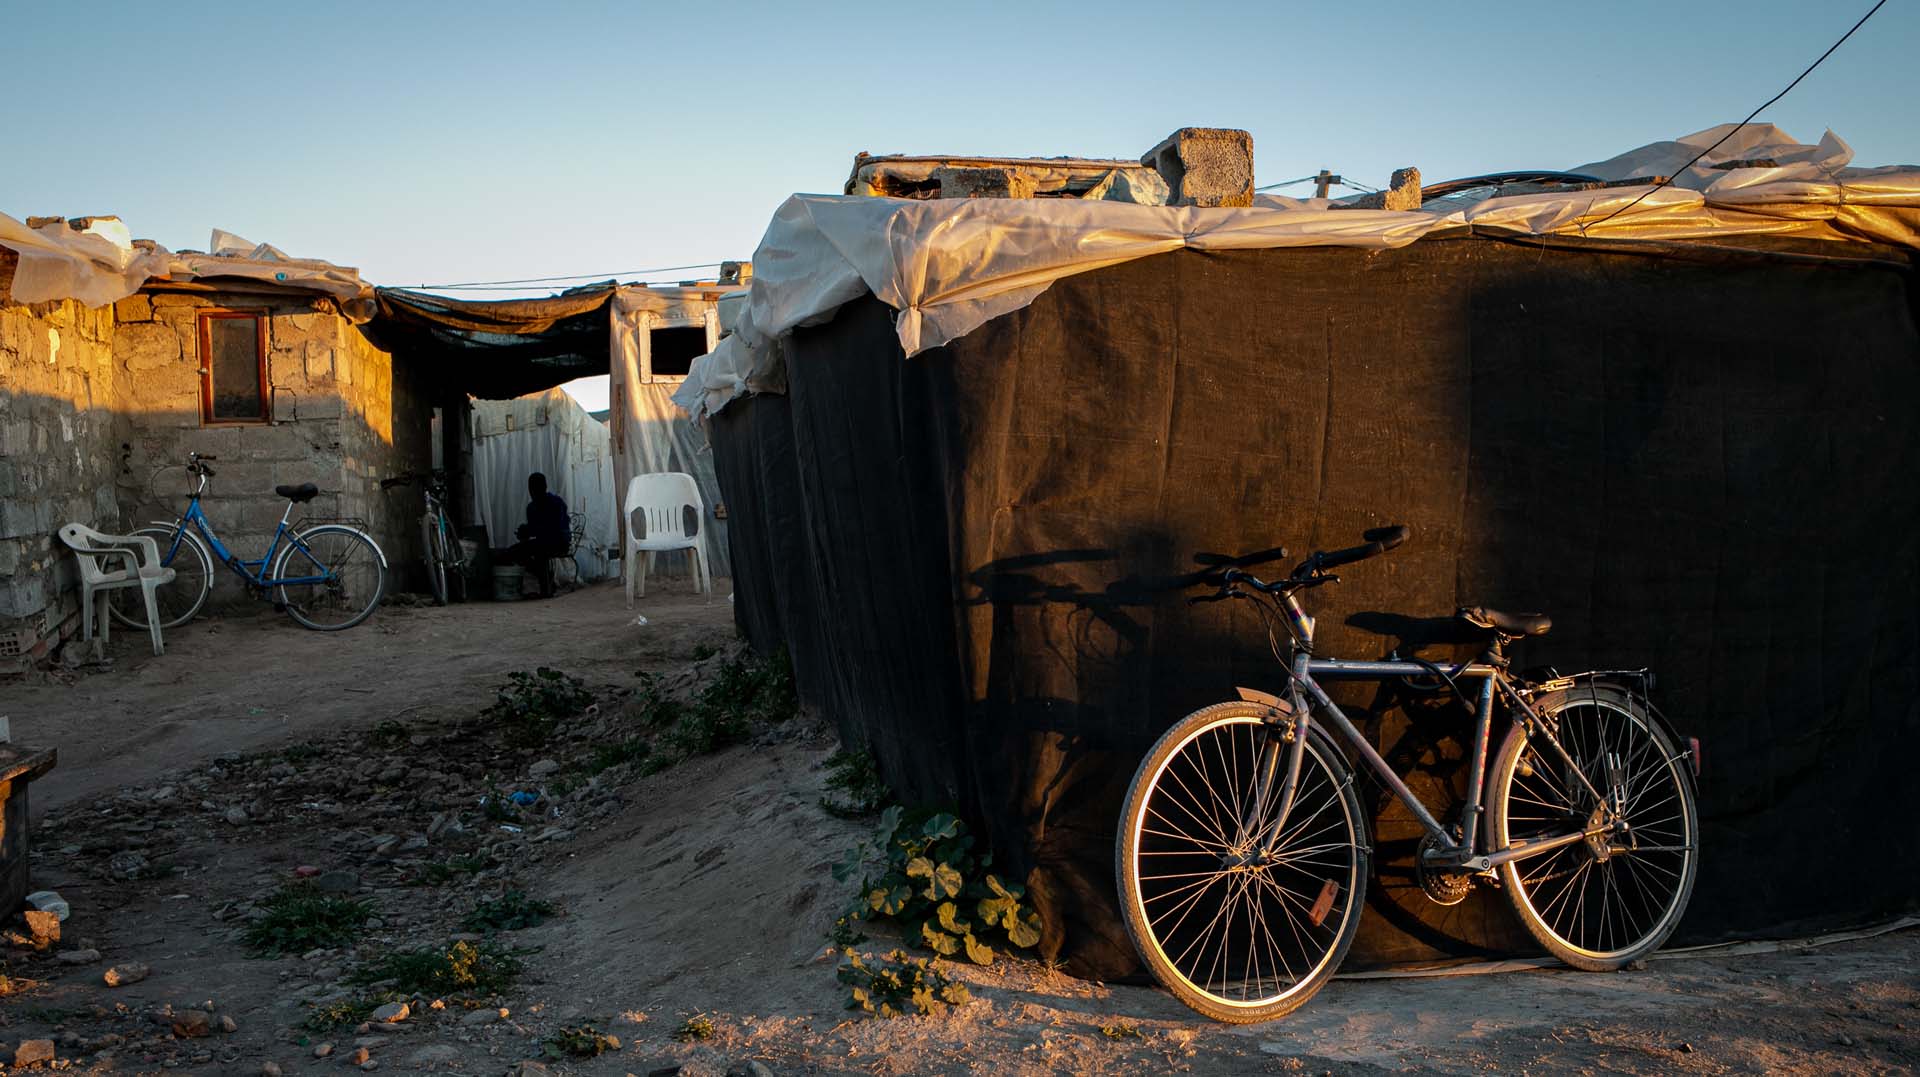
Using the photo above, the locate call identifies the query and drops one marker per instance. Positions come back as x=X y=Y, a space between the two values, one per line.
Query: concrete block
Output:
x=20 y=517
x=316 y=405
x=1205 y=166
x=134 y=308
x=143 y=346
x=1402 y=193
x=983 y=183
x=23 y=595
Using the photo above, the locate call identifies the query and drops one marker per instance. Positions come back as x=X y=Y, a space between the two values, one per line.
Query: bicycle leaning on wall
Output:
x=326 y=576
x=1243 y=851
x=446 y=558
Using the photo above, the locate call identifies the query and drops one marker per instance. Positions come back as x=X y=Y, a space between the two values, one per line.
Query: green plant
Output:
x=759 y=690
x=299 y=754
x=607 y=756
x=1121 y=1030
x=510 y=911
x=579 y=1041
x=898 y=984
x=697 y=1027
x=440 y=872
x=388 y=734
x=461 y=969
x=862 y=793
x=845 y=933
x=300 y=918
x=530 y=705
x=346 y=1011
x=924 y=875
x=498 y=807
x=704 y=651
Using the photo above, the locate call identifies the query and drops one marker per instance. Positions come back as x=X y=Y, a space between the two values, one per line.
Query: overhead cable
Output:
x=563 y=277
x=1736 y=127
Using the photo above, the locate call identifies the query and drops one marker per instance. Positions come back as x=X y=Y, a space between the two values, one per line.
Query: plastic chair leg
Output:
x=86 y=612
x=627 y=569
x=153 y=618
x=706 y=575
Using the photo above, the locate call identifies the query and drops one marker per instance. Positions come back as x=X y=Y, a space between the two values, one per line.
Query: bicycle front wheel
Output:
x=1615 y=897
x=1241 y=919
x=329 y=577
x=180 y=598
x=434 y=543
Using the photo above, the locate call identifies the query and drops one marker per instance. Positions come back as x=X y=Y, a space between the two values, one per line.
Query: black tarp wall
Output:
x=1700 y=462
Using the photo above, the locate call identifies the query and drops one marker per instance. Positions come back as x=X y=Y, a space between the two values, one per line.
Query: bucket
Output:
x=506 y=583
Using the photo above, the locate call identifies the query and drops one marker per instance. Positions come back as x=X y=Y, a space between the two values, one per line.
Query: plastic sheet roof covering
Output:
x=948 y=266
x=102 y=264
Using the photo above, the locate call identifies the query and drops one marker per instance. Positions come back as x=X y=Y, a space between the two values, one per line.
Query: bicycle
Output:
x=440 y=541
x=327 y=576
x=1243 y=855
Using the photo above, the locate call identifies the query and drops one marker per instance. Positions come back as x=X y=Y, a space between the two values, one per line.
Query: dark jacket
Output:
x=547 y=521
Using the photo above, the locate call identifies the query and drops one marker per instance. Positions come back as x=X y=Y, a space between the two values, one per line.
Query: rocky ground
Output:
x=610 y=897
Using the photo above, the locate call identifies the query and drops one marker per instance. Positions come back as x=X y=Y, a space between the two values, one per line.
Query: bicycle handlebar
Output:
x=1309 y=573
x=1378 y=541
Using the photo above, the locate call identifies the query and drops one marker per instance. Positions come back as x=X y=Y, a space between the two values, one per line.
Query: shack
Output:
x=1674 y=415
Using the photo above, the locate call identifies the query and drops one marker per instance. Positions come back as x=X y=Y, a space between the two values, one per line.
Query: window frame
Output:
x=204 y=319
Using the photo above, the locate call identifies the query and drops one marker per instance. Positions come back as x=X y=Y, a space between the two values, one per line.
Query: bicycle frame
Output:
x=254 y=571
x=1461 y=850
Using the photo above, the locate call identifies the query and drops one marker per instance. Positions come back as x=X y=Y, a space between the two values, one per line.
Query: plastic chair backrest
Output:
x=656 y=507
x=87 y=545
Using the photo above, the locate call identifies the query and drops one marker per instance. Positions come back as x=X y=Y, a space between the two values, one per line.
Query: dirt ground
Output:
x=193 y=786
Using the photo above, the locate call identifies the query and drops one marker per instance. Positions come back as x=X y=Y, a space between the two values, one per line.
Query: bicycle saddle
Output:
x=306 y=491
x=1513 y=624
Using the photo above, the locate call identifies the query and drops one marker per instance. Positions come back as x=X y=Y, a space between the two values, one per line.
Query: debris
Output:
x=32 y=1052
x=127 y=865
x=49 y=901
x=78 y=957
x=132 y=972
x=191 y=1024
x=44 y=926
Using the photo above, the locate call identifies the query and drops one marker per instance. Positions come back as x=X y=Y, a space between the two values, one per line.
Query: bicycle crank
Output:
x=1443 y=885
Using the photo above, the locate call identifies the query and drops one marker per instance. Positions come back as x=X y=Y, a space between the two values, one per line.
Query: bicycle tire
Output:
x=179 y=599
x=433 y=547
x=356 y=571
x=1640 y=888
x=1325 y=832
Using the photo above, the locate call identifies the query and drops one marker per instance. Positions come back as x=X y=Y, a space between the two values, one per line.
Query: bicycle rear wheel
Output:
x=180 y=598
x=340 y=575
x=1606 y=901
x=1241 y=927
x=433 y=543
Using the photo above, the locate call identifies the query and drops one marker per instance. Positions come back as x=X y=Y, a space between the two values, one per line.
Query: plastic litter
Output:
x=639 y=619
x=49 y=901
x=510 y=828
x=524 y=798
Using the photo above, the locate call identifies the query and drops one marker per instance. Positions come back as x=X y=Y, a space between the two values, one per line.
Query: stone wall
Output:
x=99 y=409
x=59 y=436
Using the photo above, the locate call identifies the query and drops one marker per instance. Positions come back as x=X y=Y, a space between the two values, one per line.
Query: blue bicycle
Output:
x=326 y=576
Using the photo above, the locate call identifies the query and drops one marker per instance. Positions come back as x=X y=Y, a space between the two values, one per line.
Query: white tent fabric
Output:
x=550 y=433
x=949 y=265
x=650 y=433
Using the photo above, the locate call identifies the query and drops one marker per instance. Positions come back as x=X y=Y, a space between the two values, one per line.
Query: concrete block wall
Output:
x=59 y=442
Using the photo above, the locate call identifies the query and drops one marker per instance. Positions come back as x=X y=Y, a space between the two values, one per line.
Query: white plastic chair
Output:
x=656 y=522
x=91 y=548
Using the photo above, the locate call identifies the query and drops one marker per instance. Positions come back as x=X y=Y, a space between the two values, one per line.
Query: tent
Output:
x=551 y=433
x=952 y=433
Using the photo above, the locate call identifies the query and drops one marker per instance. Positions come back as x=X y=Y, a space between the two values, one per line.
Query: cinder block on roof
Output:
x=1403 y=192
x=1205 y=166
x=983 y=183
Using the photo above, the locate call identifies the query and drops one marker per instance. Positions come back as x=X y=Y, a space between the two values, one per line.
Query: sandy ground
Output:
x=703 y=889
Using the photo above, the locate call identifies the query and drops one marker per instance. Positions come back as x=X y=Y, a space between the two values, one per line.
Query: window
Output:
x=672 y=351
x=233 y=367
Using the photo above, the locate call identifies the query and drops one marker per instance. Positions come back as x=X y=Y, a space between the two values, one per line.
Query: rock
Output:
x=32 y=1052
x=338 y=881
x=369 y=1066
x=359 y=1055
x=227 y=1024
x=749 y=1068
x=481 y=1017
x=1844 y=1040
x=544 y=768
x=237 y=816
x=131 y=972
x=373 y=1043
x=305 y=871
x=50 y=901
x=269 y=1069
x=703 y=1062
x=78 y=957
x=391 y=1013
x=43 y=925
x=126 y=865
x=191 y=1024
x=434 y=1053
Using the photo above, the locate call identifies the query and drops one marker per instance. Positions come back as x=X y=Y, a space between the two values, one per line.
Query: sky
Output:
x=436 y=143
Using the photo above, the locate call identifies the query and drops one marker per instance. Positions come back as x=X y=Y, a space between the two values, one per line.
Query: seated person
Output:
x=544 y=536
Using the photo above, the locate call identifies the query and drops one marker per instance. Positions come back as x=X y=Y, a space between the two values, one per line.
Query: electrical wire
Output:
x=1736 y=127
x=563 y=277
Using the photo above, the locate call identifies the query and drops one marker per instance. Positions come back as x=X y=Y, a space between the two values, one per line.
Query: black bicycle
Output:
x=1243 y=854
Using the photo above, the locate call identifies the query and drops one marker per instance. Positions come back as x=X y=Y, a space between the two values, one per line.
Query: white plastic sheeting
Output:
x=550 y=433
x=650 y=433
x=949 y=265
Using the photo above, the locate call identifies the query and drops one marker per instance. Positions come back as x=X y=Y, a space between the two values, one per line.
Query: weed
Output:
x=579 y=1041
x=346 y=1011
x=510 y=911
x=923 y=873
x=704 y=651
x=462 y=969
x=530 y=705
x=697 y=1027
x=862 y=793
x=300 y=918
x=1121 y=1030
x=441 y=872
x=897 y=984
x=607 y=756
x=497 y=807
x=845 y=933
x=388 y=734
x=303 y=753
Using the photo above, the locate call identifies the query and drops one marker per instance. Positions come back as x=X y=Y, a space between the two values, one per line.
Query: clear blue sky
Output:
x=432 y=143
